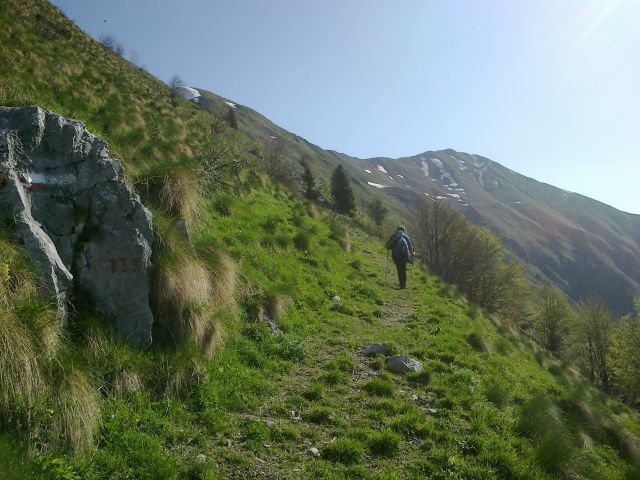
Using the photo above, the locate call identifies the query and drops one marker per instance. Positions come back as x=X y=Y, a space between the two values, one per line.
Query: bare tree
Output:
x=109 y=42
x=551 y=320
x=174 y=85
x=277 y=165
x=592 y=339
x=468 y=256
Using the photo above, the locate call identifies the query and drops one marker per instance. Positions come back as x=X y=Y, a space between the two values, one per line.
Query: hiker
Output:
x=402 y=251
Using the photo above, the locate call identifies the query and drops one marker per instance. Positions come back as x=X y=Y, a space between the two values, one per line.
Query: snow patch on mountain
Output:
x=377 y=185
x=425 y=168
x=381 y=168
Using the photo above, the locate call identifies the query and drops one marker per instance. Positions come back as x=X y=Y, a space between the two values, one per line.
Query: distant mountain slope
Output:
x=583 y=246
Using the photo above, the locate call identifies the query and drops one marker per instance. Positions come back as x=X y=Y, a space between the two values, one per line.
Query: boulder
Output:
x=65 y=198
x=376 y=349
x=403 y=364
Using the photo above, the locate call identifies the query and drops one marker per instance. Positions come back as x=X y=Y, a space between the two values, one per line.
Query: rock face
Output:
x=66 y=200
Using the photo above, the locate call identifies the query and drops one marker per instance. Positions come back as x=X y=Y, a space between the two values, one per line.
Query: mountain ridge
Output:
x=581 y=245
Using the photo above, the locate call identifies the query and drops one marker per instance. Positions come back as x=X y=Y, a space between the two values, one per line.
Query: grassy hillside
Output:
x=239 y=401
x=580 y=245
x=486 y=406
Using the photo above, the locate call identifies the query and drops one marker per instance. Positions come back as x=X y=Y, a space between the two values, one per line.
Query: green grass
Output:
x=487 y=405
x=380 y=387
x=344 y=450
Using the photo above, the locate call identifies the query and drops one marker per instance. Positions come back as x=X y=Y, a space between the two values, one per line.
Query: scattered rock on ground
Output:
x=376 y=348
x=336 y=298
x=315 y=451
x=403 y=364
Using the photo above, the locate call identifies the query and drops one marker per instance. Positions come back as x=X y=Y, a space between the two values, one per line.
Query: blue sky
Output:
x=548 y=88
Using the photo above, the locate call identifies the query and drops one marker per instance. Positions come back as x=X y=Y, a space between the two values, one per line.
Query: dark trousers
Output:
x=401 y=266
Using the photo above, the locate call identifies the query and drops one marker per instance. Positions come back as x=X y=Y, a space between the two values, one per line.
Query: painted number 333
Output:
x=125 y=265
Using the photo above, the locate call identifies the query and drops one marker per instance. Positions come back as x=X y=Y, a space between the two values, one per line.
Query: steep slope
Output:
x=582 y=246
x=486 y=406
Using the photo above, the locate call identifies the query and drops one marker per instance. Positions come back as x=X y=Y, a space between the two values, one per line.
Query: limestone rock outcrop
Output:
x=65 y=198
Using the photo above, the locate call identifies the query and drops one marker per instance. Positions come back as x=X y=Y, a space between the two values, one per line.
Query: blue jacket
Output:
x=401 y=234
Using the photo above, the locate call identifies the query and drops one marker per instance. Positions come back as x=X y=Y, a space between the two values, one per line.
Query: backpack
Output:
x=399 y=246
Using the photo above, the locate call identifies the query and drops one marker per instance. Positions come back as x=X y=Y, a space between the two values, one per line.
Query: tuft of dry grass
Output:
x=182 y=291
x=20 y=374
x=77 y=411
x=213 y=339
x=17 y=280
x=183 y=375
x=225 y=280
x=177 y=192
x=47 y=334
x=345 y=242
x=125 y=383
x=277 y=306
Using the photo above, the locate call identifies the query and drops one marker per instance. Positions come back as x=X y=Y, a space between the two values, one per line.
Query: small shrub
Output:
x=384 y=443
x=298 y=220
x=289 y=348
x=473 y=311
x=314 y=392
x=344 y=450
x=343 y=362
x=284 y=433
x=334 y=377
x=356 y=265
x=302 y=241
x=319 y=416
x=555 y=369
x=554 y=450
x=380 y=387
x=223 y=204
x=255 y=431
x=419 y=378
x=378 y=363
x=181 y=375
x=497 y=392
x=503 y=346
x=411 y=424
x=284 y=240
x=476 y=342
x=272 y=225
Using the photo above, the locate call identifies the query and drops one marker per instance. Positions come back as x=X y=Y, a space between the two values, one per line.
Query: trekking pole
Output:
x=386 y=276
x=411 y=276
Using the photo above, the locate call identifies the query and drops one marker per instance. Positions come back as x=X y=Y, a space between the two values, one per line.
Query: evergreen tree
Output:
x=231 y=119
x=341 y=192
x=309 y=182
x=377 y=211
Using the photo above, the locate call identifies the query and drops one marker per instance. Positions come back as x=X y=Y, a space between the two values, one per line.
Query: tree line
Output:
x=469 y=257
x=605 y=348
